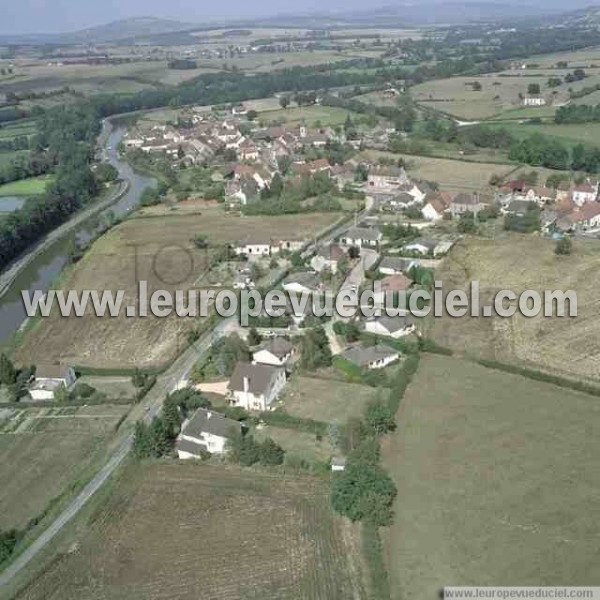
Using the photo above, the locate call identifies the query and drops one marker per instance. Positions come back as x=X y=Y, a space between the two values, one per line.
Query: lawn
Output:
x=223 y=533
x=44 y=451
x=497 y=482
x=26 y=187
x=16 y=128
x=157 y=249
x=326 y=400
x=298 y=444
x=567 y=346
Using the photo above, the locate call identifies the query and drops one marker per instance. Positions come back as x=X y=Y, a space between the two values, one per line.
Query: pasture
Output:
x=26 y=187
x=45 y=451
x=158 y=249
x=326 y=400
x=497 y=479
x=571 y=133
x=224 y=533
x=565 y=346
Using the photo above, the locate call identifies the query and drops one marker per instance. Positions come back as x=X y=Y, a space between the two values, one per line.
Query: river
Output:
x=45 y=268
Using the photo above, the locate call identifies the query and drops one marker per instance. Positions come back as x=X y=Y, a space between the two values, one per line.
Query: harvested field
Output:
x=44 y=451
x=158 y=249
x=326 y=400
x=223 y=534
x=497 y=479
x=452 y=175
x=567 y=346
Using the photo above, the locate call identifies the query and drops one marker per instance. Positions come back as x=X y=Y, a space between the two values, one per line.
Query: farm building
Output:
x=372 y=357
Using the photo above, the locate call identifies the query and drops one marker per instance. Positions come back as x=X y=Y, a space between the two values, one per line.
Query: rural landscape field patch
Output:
x=496 y=479
x=178 y=530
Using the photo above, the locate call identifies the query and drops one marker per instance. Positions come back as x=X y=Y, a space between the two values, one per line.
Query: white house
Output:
x=48 y=379
x=277 y=352
x=422 y=246
x=206 y=431
x=371 y=357
x=534 y=101
x=386 y=176
x=361 y=236
x=433 y=210
x=256 y=247
x=584 y=193
x=338 y=463
x=394 y=327
x=255 y=386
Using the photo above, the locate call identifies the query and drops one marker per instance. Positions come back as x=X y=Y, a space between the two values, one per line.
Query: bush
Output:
x=280 y=418
x=564 y=247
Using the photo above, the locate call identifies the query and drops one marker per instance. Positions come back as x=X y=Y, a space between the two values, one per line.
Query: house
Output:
x=206 y=431
x=392 y=284
x=338 y=463
x=243 y=281
x=254 y=247
x=423 y=246
x=434 y=210
x=540 y=195
x=371 y=357
x=584 y=193
x=386 y=176
x=276 y=352
x=393 y=265
x=327 y=258
x=361 y=236
x=302 y=282
x=581 y=219
x=463 y=203
x=255 y=386
x=519 y=207
x=394 y=327
x=343 y=174
x=534 y=101
x=247 y=150
x=48 y=379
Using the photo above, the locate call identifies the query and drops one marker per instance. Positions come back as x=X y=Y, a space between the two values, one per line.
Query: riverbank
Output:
x=8 y=277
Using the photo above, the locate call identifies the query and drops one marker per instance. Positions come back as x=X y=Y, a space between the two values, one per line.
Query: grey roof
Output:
x=393 y=324
x=520 y=206
x=260 y=377
x=305 y=278
x=430 y=244
x=338 y=461
x=404 y=198
x=208 y=421
x=467 y=199
x=397 y=263
x=48 y=371
x=190 y=447
x=363 y=233
x=278 y=347
x=363 y=355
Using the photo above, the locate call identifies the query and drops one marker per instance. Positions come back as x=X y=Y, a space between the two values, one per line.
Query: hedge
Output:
x=280 y=418
x=373 y=554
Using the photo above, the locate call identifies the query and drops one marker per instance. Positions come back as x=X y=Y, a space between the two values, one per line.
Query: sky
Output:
x=57 y=16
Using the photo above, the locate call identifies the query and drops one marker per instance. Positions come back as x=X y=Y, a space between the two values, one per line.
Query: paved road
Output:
x=151 y=406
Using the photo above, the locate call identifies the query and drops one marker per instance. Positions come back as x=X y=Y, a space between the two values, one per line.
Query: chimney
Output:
x=246 y=385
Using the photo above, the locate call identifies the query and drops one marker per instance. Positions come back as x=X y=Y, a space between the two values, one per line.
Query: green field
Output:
x=26 y=187
x=326 y=115
x=497 y=482
x=7 y=157
x=571 y=133
x=13 y=129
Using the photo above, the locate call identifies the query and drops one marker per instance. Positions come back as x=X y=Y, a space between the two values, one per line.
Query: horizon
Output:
x=35 y=17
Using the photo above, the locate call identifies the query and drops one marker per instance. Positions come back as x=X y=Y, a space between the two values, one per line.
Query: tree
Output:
x=201 y=241
x=359 y=489
x=379 y=417
x=61 y=395
x=138 y=378
x=142 y=446
x=476 y=86
x=314 y=350
x=271 y=454
x=564 y=246
x=254 y=338
x=466 y=223
x=353 y=252
x=8 y=373
x=284 y=101
x=251 y=115
x=170 y=415
x=161 y=438
x=533 y=89
x=106 y=172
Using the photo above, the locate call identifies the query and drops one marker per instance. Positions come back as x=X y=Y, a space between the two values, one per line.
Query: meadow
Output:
x=565 y=346
x=224 y=533
x=311 y=115
x=497 y=480
x=326 y=400
x=47 y=450
x=26 y=187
